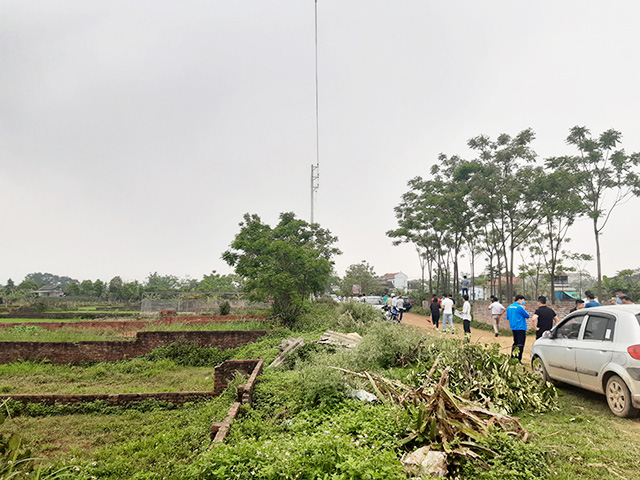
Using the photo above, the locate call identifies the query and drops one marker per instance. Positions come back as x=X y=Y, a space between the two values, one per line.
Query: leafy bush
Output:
x=516 y=460
x=225 y=308
x=358 y=313
x=189 y=354
x=322 y=387
x=384 y=345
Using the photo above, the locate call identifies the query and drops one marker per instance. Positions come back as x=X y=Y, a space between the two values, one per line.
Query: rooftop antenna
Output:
x=315 y=169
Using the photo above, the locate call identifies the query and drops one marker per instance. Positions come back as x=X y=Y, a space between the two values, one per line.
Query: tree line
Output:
x=117 y=289
x=506 y=201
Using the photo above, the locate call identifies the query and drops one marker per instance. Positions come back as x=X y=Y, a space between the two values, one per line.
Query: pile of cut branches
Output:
x=441 y=419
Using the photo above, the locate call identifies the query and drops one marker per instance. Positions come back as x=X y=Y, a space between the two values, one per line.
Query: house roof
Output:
x=388 y=276
x=48 y=288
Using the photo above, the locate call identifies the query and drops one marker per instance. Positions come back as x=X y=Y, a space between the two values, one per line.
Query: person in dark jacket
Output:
x=435 y=307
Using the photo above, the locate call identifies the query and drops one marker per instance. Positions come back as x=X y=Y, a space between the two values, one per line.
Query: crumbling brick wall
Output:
x=108 y=351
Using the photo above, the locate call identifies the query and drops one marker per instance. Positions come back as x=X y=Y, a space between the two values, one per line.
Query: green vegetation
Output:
x=131 y=376
x=306 y=423
x=286 y=263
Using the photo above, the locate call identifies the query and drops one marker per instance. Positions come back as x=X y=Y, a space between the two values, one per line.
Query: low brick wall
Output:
x=135 y=325
x=109 y=351
x=224 y=374
x=117 y=399
x=481 y=312
x=63 y=316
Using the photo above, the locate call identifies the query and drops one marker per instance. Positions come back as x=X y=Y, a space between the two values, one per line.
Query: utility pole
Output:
x=315 y=169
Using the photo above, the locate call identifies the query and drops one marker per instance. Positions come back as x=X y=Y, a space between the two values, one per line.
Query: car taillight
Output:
x=634 y=351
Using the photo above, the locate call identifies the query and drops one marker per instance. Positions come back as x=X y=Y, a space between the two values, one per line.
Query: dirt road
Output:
x=482 y=336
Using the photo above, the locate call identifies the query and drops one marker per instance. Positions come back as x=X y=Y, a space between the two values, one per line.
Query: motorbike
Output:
x=391 y=313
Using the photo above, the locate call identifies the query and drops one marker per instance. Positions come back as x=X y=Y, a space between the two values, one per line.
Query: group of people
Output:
x=544 y=318
x=397 y=303
x=591 y=301
x=445 y=307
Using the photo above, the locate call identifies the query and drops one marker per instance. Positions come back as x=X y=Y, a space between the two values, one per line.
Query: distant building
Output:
x=49 y=291
x=399 y=280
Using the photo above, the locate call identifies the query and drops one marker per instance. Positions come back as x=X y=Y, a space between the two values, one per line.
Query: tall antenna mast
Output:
x=315 y=169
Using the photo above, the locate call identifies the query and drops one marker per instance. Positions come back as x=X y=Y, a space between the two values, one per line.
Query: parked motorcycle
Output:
x=391 y=313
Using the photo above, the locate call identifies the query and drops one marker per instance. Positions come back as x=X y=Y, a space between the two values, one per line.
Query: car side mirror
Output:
x=547 y=334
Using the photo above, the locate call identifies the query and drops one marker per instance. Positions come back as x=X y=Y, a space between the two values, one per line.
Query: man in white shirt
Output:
x=400 y=307
x=497 y=309
x=447 y=312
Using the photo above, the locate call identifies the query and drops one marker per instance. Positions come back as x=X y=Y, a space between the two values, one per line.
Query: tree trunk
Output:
x=597 y=235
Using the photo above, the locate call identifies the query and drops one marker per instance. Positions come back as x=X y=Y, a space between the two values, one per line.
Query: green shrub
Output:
x=225 y=308
x=358 y=313
x=322 y=387
x=189 y=354
x=385 y=345
x=516 y=460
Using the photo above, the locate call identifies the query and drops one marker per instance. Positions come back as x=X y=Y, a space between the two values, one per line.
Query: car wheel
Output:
x=538 y=368
x=619 y=398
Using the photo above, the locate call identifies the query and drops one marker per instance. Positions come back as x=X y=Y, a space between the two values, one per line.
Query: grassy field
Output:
x=34 y=333
x=584 y=440
x=133 y=376
x=118 y=441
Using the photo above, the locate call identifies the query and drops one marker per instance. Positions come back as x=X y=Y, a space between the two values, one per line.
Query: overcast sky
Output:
x=135 y=134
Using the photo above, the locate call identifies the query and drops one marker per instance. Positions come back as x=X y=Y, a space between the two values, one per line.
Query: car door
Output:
x=594 y=350
x=559 y=352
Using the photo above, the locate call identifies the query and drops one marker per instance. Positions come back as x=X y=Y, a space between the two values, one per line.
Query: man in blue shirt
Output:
x=517 y=317
x=592 y=300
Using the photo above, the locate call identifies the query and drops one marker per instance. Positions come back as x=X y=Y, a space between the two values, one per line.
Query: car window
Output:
x=570 y=328
x=599 y=327
x=374 y=300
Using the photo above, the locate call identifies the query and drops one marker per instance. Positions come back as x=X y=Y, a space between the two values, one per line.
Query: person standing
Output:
x=435 y=308
x=579 y=305
x=466 y=318
x=400 y=307
x=517 y=317
x=447 y=313
x=544 y=317
x=465 y=286
x=497 y=309
x=592 y=300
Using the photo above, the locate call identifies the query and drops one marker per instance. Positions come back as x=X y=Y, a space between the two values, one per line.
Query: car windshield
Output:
x=374 y=300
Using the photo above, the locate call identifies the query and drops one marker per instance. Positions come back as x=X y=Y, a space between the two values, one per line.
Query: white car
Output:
x=597 y=349
x=374 y=301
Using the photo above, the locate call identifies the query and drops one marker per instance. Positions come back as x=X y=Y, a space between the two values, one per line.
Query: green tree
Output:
x=361 y=274
x=9 y=287
x=559 y=208
x=99 y=288
x=286 y=263
x=131 y=291
x=214 y=282
x=162 y=283
x=72 y=289
x=606 y=177
x=28 y=285
x=501 y=194
x=86 y=288
x=115 y=286
x=43 y=279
